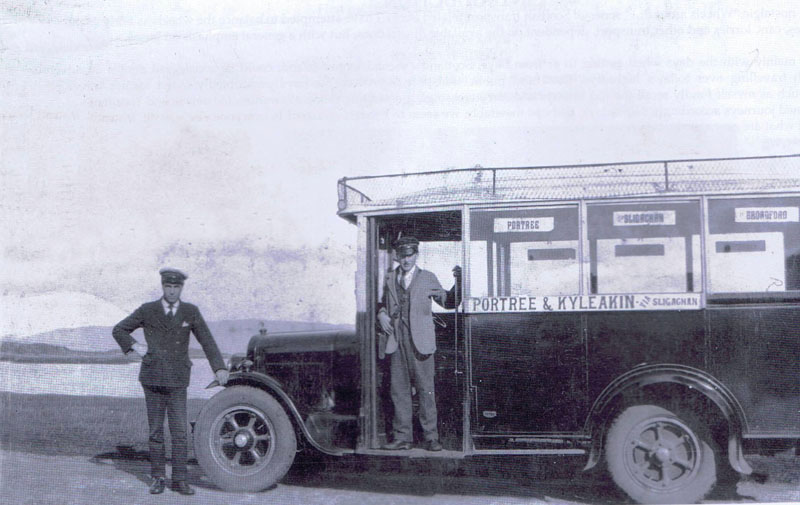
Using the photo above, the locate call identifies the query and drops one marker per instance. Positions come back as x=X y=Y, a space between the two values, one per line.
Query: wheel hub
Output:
x=662 y=455
x=242 y=440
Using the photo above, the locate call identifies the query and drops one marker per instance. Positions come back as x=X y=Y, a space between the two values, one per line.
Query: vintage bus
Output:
x=644 y=315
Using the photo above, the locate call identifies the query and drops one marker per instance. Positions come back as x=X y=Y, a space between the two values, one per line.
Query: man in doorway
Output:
x=407 y=323
x=165 y=369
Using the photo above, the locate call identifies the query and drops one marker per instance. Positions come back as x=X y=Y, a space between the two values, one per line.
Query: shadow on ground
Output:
x=419 y=477
x=551 y=479
x=558 y=479
x=137 y=463
x=554 y=479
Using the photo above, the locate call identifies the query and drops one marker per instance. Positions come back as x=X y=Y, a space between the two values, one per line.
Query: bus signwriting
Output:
x=572 y=303
x=660 y=217
x=540 y=224
x=767 y=214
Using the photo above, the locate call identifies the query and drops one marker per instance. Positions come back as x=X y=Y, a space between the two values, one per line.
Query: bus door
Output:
x=440 y=250
x=528 y=362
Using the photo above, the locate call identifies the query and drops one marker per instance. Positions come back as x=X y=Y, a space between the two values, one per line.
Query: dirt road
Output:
x=28 y=478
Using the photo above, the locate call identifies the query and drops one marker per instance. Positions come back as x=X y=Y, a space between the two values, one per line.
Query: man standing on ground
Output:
x=165 y=369
x=407 y=321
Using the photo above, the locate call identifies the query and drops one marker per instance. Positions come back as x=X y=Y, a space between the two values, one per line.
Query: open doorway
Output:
x=439 y=250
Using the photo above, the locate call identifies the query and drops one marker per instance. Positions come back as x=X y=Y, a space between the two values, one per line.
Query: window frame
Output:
x=522 y=206
x=699 y=285
x=735 y=297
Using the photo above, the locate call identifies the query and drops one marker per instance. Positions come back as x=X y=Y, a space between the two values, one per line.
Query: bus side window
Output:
x=645 y=248
x=523 y=252
x=754 y=244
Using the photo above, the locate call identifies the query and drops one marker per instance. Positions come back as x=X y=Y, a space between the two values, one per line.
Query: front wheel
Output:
x=656 y=456
x=243 y=439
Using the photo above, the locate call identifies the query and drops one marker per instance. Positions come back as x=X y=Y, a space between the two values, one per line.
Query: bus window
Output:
x=439 y=235
x=644 y=248
x=754 y=244
x=525 y=251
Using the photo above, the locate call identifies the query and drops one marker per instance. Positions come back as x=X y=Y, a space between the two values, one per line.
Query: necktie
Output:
x=407 y=280
x=169 y=312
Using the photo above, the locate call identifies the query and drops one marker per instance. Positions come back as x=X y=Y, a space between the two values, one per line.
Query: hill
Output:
x=231 y=336
x=21 y=315
x=23 y=352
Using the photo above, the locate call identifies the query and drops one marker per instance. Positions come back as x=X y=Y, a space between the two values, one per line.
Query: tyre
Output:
x=656 y=456
x=243 y=439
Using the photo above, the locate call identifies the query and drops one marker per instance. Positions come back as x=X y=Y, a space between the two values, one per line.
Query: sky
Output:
x=210 y=135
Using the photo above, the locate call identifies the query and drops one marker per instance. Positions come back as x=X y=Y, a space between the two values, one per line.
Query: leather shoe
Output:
x=157 y=486
x=433 y=446
x=398 y=445
x=182 y=488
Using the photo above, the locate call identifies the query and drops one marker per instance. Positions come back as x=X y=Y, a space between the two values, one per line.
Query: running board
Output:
x=413 y=453
x=421 y=453
x=511 y=452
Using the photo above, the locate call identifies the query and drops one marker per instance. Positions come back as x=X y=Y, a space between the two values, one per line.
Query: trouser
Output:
x=171 y=401
x=409 y=367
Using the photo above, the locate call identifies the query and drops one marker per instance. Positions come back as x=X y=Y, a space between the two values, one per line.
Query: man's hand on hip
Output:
x=137 y=350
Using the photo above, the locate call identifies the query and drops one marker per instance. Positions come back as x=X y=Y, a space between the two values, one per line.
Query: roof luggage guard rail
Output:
x=568 y=182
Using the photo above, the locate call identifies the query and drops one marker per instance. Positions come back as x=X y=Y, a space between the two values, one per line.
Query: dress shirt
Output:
x=175 y=305
x=406 y=277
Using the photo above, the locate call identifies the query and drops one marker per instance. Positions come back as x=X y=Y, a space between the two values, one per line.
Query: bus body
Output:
x=644 y=313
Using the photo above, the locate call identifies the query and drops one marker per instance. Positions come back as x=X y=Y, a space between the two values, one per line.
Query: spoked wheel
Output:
x=656 y=456
x=244 y=440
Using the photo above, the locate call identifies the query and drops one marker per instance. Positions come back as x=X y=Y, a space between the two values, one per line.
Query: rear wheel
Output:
x=243 y=440
x=656 y=456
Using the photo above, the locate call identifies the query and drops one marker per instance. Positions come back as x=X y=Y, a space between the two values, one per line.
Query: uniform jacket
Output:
x=421 y=318
x=167 y=360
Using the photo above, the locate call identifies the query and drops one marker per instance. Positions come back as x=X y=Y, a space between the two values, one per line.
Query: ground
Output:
x=75 y=450
x=122 y=479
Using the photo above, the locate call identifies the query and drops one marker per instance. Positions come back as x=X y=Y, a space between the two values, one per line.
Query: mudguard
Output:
x=690 y=377
x=275 y=388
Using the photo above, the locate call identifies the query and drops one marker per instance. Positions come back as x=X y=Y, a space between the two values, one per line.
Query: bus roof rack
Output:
x=568 y=182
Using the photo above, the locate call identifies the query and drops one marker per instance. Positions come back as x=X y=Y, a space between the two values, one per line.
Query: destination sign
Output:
x=576 y=303
x=645 y=218
x=767 y=214
x=523 y=224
